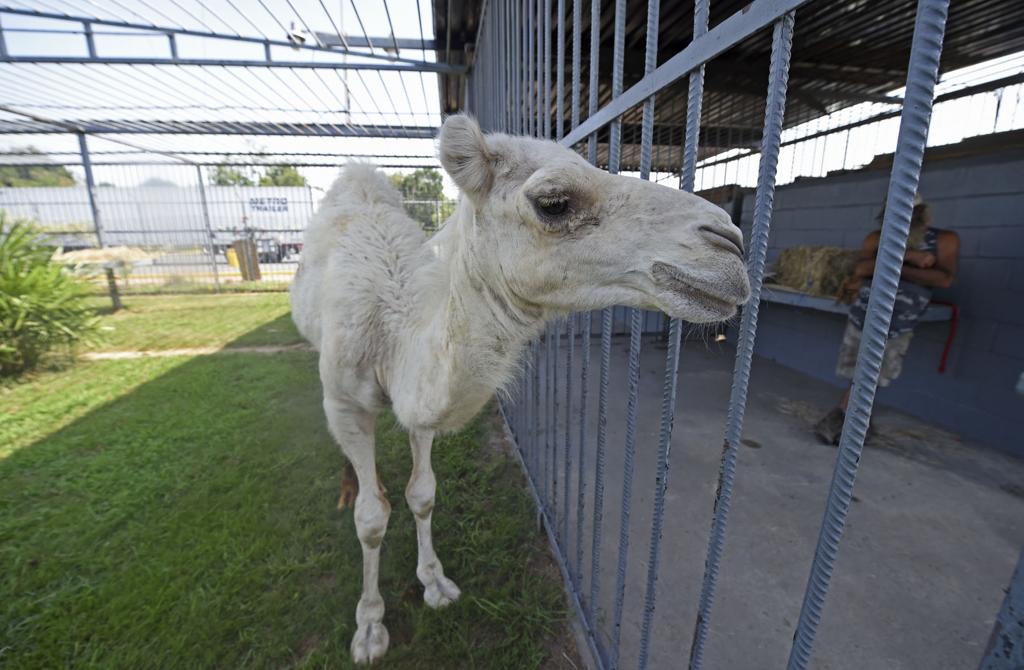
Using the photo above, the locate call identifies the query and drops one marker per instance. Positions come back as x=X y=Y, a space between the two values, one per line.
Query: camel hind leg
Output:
x=349 y=488
x=353 y=428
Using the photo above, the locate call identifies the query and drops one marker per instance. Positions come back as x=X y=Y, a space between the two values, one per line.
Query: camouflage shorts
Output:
x=892 y=360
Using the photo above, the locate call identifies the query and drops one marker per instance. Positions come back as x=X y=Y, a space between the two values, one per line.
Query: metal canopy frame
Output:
x=314 y=82
x=39 y=126
x=305 y=93
x=414 y=66
x=323 y=43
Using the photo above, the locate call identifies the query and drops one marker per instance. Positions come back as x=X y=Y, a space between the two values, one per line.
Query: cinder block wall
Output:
x=982 y=199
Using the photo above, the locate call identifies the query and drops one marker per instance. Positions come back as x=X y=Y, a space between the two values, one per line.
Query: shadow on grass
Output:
x=278 y=332
x=191 y=523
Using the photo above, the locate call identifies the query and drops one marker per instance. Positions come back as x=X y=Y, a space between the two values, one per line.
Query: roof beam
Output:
x=957 y=94
x=418 y=66
x=383 y=43
x=740 y=25
x=31 y=126
x=294 y=41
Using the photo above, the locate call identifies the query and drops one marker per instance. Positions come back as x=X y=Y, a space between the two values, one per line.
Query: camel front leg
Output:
x=438 y=590
x=353 y=429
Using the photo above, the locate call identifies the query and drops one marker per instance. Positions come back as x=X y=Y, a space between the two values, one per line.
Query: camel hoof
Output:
x=369 y=643
x=441 y=593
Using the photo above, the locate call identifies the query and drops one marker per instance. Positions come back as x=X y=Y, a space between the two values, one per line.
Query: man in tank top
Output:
x=930 y=262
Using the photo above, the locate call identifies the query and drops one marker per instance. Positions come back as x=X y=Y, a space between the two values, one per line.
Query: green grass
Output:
x=180 y=513
x=174 y=322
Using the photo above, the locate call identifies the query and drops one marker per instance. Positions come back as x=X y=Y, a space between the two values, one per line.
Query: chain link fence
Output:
x=182 y=228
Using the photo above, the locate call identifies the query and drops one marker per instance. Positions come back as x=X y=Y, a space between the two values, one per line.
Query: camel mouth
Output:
x=698 y=299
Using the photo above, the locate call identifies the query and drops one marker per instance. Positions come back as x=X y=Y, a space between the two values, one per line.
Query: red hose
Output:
x=954 y=319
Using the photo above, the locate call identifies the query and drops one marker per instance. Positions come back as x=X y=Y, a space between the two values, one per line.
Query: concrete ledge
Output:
x=786 y=296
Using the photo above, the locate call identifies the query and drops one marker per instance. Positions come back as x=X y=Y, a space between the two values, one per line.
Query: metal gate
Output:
x=521 y=44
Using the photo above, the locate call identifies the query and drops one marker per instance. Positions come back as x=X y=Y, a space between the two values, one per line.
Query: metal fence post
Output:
x=922 y=73
x=209 y=228
x=90 y=185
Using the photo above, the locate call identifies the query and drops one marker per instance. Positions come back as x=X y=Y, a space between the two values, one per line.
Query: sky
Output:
x=218 y=93
x=321 y=96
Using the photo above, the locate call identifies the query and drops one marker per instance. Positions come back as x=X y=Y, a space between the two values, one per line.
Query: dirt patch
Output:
x=1013 y=489
x=919 y=441
x=327 y=582
x=306 y=646
x=925 y=444
x=808 y=412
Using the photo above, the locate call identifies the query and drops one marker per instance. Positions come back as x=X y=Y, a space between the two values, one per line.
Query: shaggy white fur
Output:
x=433 y=327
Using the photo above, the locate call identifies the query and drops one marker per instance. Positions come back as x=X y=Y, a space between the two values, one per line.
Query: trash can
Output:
x=248 y=261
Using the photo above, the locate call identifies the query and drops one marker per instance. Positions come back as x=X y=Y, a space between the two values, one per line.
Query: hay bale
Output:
x=818 y=270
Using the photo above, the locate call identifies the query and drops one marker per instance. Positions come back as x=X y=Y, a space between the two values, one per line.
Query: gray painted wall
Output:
x=982 y=199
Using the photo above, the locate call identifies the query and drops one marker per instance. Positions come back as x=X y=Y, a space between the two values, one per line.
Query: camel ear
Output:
x=465 y=155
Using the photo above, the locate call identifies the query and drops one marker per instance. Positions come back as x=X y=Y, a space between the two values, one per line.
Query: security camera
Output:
x=296 y=36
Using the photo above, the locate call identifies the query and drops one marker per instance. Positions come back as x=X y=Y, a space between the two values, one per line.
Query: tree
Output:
x=40 y=174
x=423 y=191
x=282 y=175
x=229 y=176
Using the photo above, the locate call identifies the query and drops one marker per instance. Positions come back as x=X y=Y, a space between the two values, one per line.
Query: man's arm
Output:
x=941 y=272
x=865 y=266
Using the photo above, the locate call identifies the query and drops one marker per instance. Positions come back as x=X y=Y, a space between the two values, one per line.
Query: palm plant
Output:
x=42 y=307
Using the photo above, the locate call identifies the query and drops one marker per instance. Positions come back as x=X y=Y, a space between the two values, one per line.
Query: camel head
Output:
x=554 y=231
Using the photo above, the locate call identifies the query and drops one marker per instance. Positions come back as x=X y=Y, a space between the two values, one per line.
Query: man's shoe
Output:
x=830 y=427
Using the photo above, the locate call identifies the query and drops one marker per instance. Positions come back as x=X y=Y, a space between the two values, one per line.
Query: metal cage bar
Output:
x=636 y=328
x=778 y=79
x=922 y=73
x=1005 y=649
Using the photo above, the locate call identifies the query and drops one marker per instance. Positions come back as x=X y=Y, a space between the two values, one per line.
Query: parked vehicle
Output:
x=269 y=250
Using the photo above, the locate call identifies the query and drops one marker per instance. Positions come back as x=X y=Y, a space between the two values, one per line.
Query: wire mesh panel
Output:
x=153 y=222
x=62 y=211
x=580 y=447
x=175 y=227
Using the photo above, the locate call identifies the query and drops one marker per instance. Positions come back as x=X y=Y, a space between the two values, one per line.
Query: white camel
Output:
x=432 y=327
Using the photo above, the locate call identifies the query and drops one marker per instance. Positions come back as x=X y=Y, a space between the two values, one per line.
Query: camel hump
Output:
x=363 y=183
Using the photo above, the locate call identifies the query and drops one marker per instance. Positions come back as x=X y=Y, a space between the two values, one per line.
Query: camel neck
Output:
x=476 y=323
x=480 y=301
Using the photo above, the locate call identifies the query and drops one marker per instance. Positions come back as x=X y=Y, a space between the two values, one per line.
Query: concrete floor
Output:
x=932 y=538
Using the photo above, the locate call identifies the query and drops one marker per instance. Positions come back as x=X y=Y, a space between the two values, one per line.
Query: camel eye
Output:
x=556 y=207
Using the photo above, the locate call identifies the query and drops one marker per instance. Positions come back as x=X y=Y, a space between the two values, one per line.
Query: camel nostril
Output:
x=727 y=238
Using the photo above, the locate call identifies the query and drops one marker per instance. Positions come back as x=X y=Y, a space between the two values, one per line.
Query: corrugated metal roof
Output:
x=845 y=52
